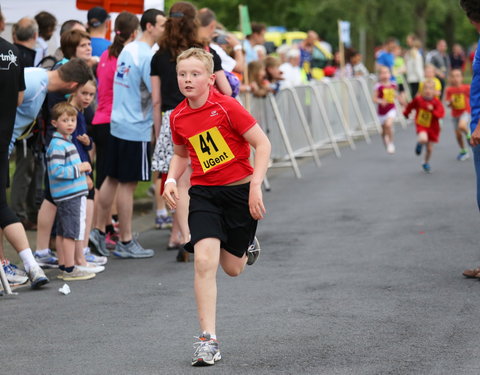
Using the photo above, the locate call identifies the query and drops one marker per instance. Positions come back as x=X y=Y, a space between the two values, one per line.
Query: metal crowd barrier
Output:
x=302 y=120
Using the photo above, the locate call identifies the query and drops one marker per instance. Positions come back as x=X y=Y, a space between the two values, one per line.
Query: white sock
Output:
x=28 y=259
x=43 y=252
x=86 y=250
x=213 y=337
x=162 y=212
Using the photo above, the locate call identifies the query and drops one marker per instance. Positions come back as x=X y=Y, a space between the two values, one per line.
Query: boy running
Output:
x=215 y=133
x=458 y=99
x=429 y=110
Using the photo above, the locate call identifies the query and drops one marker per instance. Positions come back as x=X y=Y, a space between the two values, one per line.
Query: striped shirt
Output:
x=66 y=181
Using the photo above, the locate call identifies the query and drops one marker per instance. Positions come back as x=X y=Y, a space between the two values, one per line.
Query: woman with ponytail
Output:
x=125 y=31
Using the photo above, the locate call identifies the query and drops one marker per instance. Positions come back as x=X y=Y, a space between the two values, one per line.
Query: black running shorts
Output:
x=221 y=212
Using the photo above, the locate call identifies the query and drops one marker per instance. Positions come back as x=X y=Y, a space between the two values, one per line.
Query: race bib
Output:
x=424 y=118
x=211 y=149
x=389 y=95
x=458 y=101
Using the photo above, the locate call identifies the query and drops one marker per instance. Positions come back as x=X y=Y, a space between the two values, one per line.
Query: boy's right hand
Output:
x=170 y=194
x=85 y=167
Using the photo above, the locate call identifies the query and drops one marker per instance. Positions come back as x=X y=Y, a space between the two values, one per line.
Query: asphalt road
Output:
x=360 y=274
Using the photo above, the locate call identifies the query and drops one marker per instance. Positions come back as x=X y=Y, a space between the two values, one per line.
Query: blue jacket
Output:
x=475 y=90
x=66 y=181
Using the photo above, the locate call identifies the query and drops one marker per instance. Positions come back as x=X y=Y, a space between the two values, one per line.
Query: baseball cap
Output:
x=96 y=16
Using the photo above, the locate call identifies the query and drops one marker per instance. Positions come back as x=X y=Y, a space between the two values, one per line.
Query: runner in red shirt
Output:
x=429 y=110
x=458 y=99
x=215 y=133
x=384 y=95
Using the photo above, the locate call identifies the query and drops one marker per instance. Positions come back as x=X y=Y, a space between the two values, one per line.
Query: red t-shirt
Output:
x=213 y=135
x=426 y=120
x=386 y=92
x=460 y=99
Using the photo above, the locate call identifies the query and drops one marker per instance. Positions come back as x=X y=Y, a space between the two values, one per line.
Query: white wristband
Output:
x=172 y=180
x=238 y=47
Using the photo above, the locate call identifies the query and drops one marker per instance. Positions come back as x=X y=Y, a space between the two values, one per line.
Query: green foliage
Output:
x=380 y=18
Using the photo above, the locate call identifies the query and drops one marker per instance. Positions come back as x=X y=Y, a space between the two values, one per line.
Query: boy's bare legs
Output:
x=125 y=209
x=231 y=264
x=46 y=218
x=68 y=249
x=459 y=135
x=428 y=153
x=207 y=258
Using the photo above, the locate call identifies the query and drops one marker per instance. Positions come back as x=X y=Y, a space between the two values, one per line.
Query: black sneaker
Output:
x=206 y=351
x=253 y=251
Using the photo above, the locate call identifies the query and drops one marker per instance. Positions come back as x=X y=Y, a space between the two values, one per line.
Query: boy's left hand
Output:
x=430 y=107
x=255 y=202
x=84 y=139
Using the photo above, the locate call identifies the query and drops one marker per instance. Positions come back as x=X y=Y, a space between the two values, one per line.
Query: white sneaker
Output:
x=14 y=277
x=391 y=148
x=77 y=274
x=37 y=277
x=91 y=267
x=97 y=259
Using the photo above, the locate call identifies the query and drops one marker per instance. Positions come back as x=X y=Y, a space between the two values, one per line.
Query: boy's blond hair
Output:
x=200 y=54
x=429 y=82
x=60 y=108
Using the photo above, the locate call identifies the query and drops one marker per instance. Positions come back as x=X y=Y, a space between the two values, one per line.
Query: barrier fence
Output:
x=302 y=120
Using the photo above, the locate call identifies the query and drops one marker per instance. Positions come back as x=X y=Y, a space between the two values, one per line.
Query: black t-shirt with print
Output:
x=12 y=82
x=164 y=66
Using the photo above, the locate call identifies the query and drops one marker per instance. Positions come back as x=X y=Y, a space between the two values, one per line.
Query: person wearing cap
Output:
x=97 y=28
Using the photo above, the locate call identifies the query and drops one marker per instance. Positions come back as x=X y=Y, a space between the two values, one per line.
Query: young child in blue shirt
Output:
x=68 y=186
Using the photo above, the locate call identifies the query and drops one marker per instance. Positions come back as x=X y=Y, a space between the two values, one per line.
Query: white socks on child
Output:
x=162 y=213
x=43 y=252
x=27 y=259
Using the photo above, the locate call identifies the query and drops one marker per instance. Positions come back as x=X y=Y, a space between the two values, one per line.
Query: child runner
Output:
x=430 y=75
x=68 y=185
x=429 y=109
x=458 y=99
x=215 y=132
x=81 y=99
x=384 y=95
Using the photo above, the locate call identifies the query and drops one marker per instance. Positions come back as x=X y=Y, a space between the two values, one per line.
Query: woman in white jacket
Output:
x=414 y=64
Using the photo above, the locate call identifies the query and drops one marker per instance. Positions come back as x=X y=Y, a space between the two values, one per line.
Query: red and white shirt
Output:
x=213 y=135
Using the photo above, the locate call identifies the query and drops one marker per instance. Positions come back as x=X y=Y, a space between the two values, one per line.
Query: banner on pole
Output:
x=344 y=29
x=245 y=26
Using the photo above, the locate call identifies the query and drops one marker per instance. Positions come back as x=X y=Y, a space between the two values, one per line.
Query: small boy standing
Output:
x=458 y=99
x=215 y=133
x=384 y=96
x=68 y=185
x=429 y=110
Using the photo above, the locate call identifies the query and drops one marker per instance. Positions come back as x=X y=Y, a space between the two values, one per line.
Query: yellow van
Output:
x=294 y=37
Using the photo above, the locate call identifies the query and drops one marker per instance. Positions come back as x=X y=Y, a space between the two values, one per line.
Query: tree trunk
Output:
x=420 y=17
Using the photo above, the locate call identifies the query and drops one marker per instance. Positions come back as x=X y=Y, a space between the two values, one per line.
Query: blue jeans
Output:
x=476 y=159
